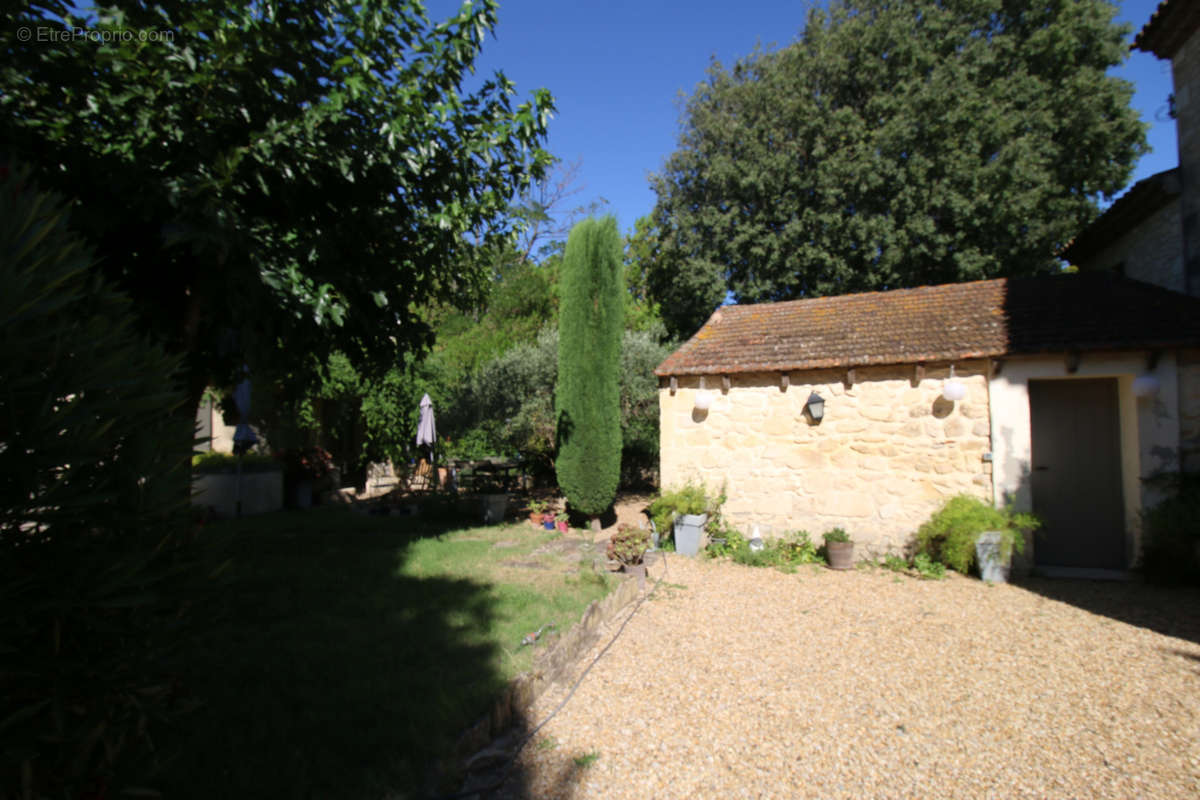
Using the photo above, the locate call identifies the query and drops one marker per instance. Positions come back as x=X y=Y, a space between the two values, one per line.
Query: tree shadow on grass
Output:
x=1169 y=610
x=323 y=671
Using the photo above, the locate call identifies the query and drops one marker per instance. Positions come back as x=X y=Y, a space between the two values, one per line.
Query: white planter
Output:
x=992 y=567
x=689 y=533
x=261 y=491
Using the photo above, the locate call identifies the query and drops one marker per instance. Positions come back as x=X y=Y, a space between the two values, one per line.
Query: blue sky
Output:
x=617 y=69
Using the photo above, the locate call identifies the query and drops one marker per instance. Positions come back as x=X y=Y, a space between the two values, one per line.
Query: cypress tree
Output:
x=587 y=395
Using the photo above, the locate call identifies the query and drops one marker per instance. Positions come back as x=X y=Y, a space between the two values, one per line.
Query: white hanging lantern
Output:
x=703 y=398
x=1146 y=385
x=954 y=390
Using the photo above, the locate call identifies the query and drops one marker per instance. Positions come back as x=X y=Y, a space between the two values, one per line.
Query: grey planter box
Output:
x=992 y=567
x=689 y=533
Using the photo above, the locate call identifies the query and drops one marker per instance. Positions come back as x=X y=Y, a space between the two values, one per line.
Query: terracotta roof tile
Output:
x=1169 y=27
x=1010 y=316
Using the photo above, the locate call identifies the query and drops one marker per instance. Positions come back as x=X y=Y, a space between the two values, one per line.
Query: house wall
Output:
x=212 y=423
x=1149 y=427
x=888 y=453
x=1151 y=252
x=1185 y=67
x=1189 y=409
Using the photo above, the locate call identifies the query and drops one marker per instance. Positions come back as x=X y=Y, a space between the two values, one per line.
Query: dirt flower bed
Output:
x=739 y=682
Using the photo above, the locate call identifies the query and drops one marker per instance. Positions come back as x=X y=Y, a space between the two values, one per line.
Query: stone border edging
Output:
x=549 y=667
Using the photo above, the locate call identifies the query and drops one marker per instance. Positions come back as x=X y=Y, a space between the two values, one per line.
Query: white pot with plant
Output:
x=968 y=531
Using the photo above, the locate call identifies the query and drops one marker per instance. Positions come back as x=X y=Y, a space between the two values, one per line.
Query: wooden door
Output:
x=1076 y=478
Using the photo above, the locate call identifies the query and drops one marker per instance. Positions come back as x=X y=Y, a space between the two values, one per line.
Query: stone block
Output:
x=850 y=504
x=954 y=427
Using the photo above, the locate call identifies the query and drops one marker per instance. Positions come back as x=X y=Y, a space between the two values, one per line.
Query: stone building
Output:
x=1067 y=391
x=1152 y=233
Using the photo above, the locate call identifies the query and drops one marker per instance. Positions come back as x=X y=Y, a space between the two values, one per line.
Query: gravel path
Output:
x=738 y=682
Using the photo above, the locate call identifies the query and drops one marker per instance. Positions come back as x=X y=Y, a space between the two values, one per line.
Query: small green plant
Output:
x=586 y=760
x=927 y=568
x=785 y=553
x=949 y=535
x=629 y=545
x=537 y=507
x=561 y=517
x=691 y=498
x=836 y=535
x=547 y=743
x=895 y=563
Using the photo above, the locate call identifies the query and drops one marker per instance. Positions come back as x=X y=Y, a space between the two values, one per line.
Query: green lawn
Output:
x=341 y=655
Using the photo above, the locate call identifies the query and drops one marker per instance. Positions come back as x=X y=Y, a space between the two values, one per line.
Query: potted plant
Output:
x=302 y=468
x=839 y=547
x=537 y=508
x=687 y=510
x=560 y=520
x=968 y=531
x=548 y=520
x=628 y=547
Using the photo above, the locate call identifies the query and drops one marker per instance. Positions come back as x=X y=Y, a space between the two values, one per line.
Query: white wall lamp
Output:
x=815 y=406
x=1146 y=385
x=953 y=390
x=703 y=398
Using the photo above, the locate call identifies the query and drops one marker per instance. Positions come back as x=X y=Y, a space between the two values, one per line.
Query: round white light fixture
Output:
x=703 y=398
x=1145 y=385
x=953 y=390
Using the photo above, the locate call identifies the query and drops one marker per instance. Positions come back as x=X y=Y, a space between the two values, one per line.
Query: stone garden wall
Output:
x=889 y=451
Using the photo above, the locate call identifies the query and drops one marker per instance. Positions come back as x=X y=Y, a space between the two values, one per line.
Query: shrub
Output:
x=691 y=498
x=227 y=462
x=94 y=451
x=1171 y=532
x=629 y=545
x=588 y=391
x=949 y=535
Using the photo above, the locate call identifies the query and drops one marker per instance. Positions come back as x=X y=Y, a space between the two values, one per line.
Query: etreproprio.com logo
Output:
x=52 y=35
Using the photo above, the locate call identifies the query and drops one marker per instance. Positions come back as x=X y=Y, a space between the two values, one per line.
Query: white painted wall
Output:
x=1149 y=428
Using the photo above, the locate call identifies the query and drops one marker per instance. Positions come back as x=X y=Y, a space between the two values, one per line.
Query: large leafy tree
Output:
x=587 y=395
x=272 y=177
x=894 y=144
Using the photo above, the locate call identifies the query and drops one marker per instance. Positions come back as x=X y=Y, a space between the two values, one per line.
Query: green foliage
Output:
x=93 y=488
x=628 y=545
x=949 y=535
x=836 y=535
x=927 y=568
x=894 y=144
x=277 y=178
x=894 y=563
x=73 y=363
x=227 y=462
x=1171 y=532
x=587 y=394
x=586 y=760
x=786 y=552
x=691 y=498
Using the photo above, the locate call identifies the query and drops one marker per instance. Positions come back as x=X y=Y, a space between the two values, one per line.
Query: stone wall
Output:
x=1151 y=252
x=889 y=452
x=1189 y=410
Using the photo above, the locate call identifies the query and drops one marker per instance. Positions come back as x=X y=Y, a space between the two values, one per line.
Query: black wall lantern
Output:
x=815 y=407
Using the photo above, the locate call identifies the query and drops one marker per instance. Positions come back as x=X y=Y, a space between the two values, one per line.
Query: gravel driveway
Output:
x=739 y=682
